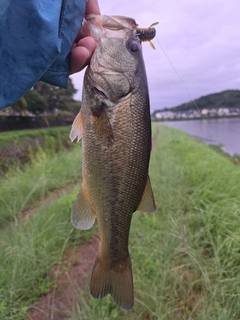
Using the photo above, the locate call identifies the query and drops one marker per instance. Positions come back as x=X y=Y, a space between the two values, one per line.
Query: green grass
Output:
x=29 y=250
x=19 y=136
x=235 y=159
x=21 y=188
x=185 y=257
x=17 y=148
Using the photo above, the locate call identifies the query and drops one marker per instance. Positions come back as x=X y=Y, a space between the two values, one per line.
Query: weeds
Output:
x=17 y=148
x=29 y=250
x=21 y=188
x=185 y=257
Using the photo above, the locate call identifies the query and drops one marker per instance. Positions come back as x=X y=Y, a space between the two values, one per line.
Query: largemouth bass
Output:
x=115 y=126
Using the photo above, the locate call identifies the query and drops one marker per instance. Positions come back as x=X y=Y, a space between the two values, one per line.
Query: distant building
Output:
x=195 y=114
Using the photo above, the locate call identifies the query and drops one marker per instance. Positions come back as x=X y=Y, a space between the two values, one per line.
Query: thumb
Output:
x=81 y=54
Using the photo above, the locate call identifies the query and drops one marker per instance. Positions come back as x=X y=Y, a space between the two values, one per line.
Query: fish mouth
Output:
x=106 y=99
x=100 y=93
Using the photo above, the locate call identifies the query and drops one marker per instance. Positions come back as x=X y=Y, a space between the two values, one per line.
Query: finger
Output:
x=81 y=54
x=82 y=34
x=92 y=7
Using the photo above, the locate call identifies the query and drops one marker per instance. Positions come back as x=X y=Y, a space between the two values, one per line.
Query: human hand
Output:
x=84 y=46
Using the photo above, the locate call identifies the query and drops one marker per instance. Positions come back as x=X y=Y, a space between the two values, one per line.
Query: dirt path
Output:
x=55 y=194
x=78 y=263
x=58 y=303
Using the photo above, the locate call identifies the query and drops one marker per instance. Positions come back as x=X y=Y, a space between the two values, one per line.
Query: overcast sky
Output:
x=200 y=38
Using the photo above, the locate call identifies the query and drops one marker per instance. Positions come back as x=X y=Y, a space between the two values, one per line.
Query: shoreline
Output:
x=196 y=118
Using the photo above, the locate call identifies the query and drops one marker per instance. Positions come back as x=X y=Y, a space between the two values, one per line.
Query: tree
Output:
x=74 y=106
x=36 y=102
x=20 y=106
x=55 y=97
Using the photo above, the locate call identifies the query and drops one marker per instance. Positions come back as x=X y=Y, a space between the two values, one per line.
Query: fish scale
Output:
x=115 y=126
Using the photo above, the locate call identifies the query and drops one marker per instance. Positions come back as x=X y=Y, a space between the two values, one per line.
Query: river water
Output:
x=223 y=131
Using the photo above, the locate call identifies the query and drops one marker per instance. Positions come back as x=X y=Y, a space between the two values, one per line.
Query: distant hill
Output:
x=224 y=99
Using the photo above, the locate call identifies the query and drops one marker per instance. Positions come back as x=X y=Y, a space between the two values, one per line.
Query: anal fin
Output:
x=82 y=216
x=147 y=203
x=77 y=128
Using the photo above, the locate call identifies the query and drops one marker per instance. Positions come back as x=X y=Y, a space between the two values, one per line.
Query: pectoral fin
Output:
x=82 y=216
x=77 y=128
x=147 y=203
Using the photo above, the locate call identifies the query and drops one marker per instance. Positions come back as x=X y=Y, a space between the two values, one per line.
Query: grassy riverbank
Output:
x=185 y=257
x=20 y=147
x=21 y=189
x=53 y=163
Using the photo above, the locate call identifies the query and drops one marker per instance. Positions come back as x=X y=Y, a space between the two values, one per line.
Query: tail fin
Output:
x=115 y=279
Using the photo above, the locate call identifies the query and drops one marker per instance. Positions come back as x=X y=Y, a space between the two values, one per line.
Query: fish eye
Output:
x=133 y=46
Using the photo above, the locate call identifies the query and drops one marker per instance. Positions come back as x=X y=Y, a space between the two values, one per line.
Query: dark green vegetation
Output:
x=47 y=98
x=20 y=147
x=224 y=99
x=43 y=106
x=34 y=162
x=185 y=257
x=29 y=248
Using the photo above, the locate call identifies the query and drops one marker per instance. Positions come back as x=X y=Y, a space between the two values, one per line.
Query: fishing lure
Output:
x=147 y=34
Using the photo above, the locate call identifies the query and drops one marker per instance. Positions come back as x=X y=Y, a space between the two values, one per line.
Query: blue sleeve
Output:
x=35 y=41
